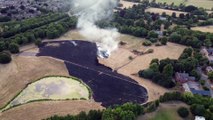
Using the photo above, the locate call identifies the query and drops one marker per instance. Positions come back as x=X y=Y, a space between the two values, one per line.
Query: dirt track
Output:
x=41 y=110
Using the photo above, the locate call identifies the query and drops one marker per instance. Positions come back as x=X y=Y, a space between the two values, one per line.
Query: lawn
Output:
x=166 y=111
x=52 y=88
x=168 y=114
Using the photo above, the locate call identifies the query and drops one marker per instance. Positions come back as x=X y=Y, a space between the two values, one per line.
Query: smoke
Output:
x=91 y=11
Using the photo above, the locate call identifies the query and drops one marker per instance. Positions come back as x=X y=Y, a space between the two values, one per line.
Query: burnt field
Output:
x=108 y=86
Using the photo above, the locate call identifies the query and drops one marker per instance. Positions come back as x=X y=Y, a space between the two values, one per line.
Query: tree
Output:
x=164 y=40
x=127 y=115
x=195 y=74
x=183 y=112
x=14 y=48
x=152 y=34
x=168 y=70
x=2 y=46
x=174 y=37
x=210 y=75
x=211 y=108
x=156 y=60
x=38 y=42
x=174 y=15
x=108 y=115
x=197 y=109
x=148 y=73
x=154 y=67
x=5 y=57
x=181 y=16
x=207 y=43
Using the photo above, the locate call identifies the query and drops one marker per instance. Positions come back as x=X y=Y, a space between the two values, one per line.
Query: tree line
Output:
x=29 y=31
x=163 y=71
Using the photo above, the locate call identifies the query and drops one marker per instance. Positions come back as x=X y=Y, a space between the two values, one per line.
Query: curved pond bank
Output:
x=52 y=88
x=108 y=87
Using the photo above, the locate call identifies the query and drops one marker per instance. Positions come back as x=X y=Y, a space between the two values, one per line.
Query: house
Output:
x=162 y=18
x=194 y=88
x=208 y=53
x=183 y=77
x=209 y=69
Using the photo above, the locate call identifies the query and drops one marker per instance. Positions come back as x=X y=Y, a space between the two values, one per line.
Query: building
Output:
x=199 y=118
x=183 y=77
x=195 y=88
x=209 y=69
x=208 y=53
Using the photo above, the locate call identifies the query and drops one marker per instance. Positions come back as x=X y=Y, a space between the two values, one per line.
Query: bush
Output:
x=38 y=42
x=183 y=112
x=5 y=57
x=149 y=51
x=147 y=43
x=14 y=48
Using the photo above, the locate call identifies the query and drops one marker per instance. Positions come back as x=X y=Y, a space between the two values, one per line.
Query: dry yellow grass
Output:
x=127 y=4
x=204 y=28
x=160 y=11
x=208 y=4
x=120 y=57
x=24 y=70
x=41 y=110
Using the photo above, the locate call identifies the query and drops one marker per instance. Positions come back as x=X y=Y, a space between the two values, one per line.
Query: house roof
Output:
x=201 y=92
x=184 y=76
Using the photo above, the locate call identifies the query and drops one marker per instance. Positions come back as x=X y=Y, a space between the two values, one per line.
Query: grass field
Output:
x=208 y=4
x=52 y=88
x=204 y=28
x=166 y=111
x=120 y=59
x=160 y=11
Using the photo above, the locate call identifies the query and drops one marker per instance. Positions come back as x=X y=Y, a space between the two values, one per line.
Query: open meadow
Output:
x=204 y=28
x=166 y=111
x=160 y=11
x=119 y=61
x=208 y=4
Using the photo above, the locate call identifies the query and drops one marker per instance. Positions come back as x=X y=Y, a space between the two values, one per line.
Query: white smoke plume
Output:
x=91 y=11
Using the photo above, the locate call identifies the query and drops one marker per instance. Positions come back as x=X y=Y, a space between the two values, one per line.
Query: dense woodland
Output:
x=30 y=30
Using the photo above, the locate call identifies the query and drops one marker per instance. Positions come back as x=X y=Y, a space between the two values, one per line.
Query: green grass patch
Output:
x=165 y=115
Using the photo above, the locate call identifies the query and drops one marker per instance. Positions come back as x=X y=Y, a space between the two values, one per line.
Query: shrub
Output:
x=147 y=43
x=14 y=48
x=183 y=112
x=150 y=51
x=153 y=40
x=5 y=57
x=38 y=42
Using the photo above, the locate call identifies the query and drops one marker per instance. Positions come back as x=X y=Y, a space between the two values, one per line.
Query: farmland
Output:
x=119 y=60
x=99 y=78
x=199 y=3
x=160 y=11
x=204 y=28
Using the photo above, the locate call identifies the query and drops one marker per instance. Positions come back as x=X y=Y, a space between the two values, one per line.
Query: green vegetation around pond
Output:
x=52 y=88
